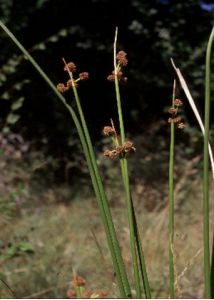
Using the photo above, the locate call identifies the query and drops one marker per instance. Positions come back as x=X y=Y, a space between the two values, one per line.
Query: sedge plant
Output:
x=116 y=255
x=139 y=265
x=173 y=120
x=171 y=200
x=138 y=261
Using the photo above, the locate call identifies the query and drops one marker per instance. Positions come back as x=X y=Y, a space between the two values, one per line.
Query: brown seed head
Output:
x=121 y=58
x=119 y=74
x=71 y=67
x=119 y=149
x=108 y=130
x=178 y=102
x=78 y=281
x=113 y=153
x=172 y=110
x=110 y=153
x=84 y=76
x=181 y=125
x=176 y=120
x=71 y=83
x=106 y=153
x=71 y=294
x=111 y=77
x=129 y=146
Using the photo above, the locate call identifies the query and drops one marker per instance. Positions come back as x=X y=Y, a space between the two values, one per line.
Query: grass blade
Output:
x=207 y=270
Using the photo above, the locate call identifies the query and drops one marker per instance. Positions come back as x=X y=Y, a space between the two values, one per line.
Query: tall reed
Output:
x=138 y=261
x=171 y=201
x=207 y=275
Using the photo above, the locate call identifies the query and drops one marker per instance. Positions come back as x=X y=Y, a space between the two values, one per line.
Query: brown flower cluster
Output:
x=109 y=131
x=122 y=58
x=120 y=77
x=174 y=114
x=71 y=67
x=79 y=282
x=71 y=83
x=122 y=61
x=120 y=150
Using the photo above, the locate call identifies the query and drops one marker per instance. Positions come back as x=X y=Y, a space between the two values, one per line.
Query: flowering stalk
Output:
x=171 y=200
x=135 y=244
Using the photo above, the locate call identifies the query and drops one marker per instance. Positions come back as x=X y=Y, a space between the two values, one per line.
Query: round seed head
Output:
x=71 y=67
x=178 y=102
x=121 y=58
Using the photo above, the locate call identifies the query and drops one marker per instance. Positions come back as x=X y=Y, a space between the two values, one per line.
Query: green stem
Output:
x=171 y=204
x=134 y=237
x=121 y=272
x=79 y=292
x=119 y=109
x=141 y=260
x=124 y=169
x=206 y=172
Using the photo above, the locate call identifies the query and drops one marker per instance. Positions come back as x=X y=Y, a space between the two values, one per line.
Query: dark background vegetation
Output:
x=83 y=31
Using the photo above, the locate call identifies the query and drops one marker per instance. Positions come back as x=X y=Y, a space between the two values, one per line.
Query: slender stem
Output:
x=79 y=292
x=124 y=169
x=121 y=272
x=171 y=203
x=206 y=171
x=117 y=91
x=142 y=260
x=134 y=236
